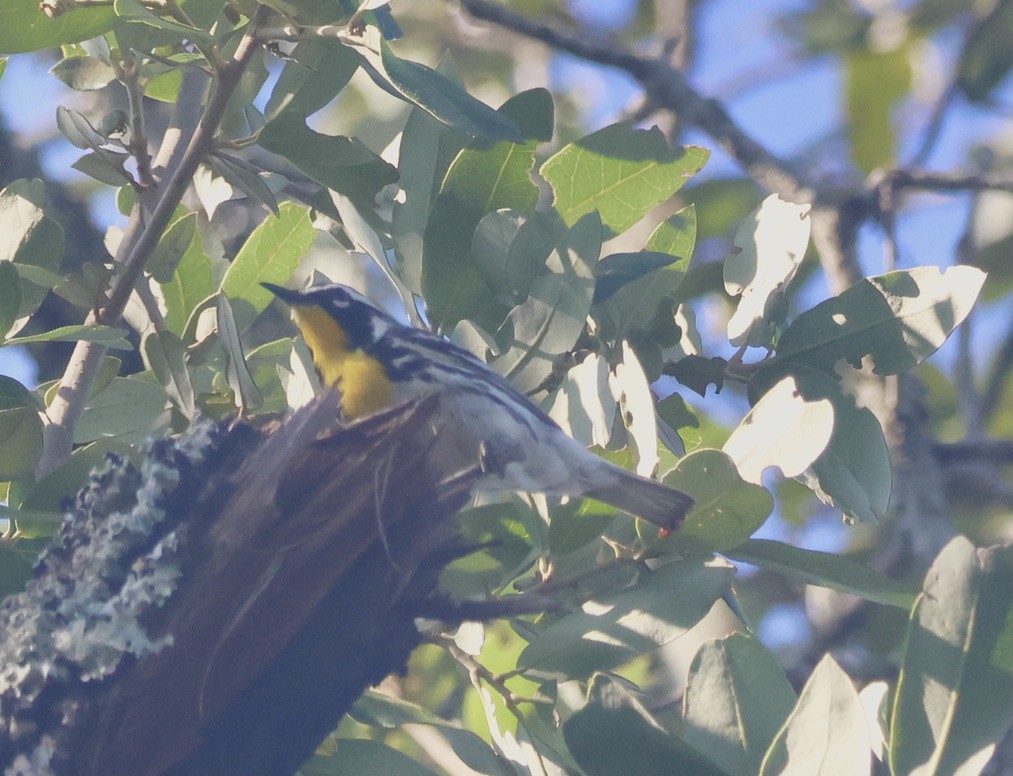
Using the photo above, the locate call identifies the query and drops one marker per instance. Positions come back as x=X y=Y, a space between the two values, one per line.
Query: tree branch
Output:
x=141 y=237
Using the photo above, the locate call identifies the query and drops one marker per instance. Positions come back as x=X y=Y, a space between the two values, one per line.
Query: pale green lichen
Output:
x=83 y=612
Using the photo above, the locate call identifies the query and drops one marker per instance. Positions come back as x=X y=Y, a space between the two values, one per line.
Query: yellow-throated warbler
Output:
x=376 y=362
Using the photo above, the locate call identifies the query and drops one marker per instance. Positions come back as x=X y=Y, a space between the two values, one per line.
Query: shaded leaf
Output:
x=165 y=356
x=24 y=27
x=727 y=510
x=314 y=72
x=176 y=240
x=379 y=710
x=553 y=316
x=10 y=296
x=823 y=569
x=244 y=177
x=431 y=91
x=103 y=335
x=30 y=239
x=460 y=270
x=613 y=629
x=954 y=697
x=737 y=697
x=614 y=734
x=129 y=409
x=241 y=382
x=20 y=430
x=697 y=372
x=987 y=58
x=361 y=755
x=343 y=164
x=83 y=73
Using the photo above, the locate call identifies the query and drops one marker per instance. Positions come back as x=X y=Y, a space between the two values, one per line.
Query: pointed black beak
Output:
x=286 y=295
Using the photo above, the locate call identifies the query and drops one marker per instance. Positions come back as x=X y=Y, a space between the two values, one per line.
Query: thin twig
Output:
x=129 y=71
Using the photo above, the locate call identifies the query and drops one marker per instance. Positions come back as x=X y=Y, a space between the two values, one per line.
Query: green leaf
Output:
x=243 y=177
x=697 y=372
x=854 y=473
x=133 y=12
x=17 y=560
x=641 y=308
x=48 y=495
x=103 y=335
x=29 y=238
x=10 y=296
x=24 y=27
x=241 y=382
x=361 y=755
x=418 y=167
x=343 y=164
x=727 y=510
x=270 y=254
x=442 y=98
x=787 y=428
x=379 y=710
x=83 y=73
x=615 y=628
x=175 y=242
x=460 y=271
x=193 y=281
x=105 y=166
x=987 y=58
x=20 y=430
x=826 y=733
x=954 y=697
x=614 y=734
x=129 y=409
x=737 y=697
x=553 y=316
x=314 y=72
x=771 y=244
x=875 y=82
x=165 y=356
x=633 y=289
x=621 y=172
x=823 y=569
x=898 y=320
x=509 y=249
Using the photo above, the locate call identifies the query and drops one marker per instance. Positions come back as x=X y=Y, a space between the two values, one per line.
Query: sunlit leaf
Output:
x=621 y=172
x=898 y=320
x=770 y=245
x=785 y=429
x=270 y=254
x=825 y=730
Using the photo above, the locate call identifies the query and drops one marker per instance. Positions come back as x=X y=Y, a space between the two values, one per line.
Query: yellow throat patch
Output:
x=362 y=380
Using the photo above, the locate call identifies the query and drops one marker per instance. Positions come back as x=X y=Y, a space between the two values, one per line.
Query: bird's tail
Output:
x=644 y=498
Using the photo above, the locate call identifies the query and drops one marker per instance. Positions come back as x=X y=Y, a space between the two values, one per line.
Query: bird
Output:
x=376 y=362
